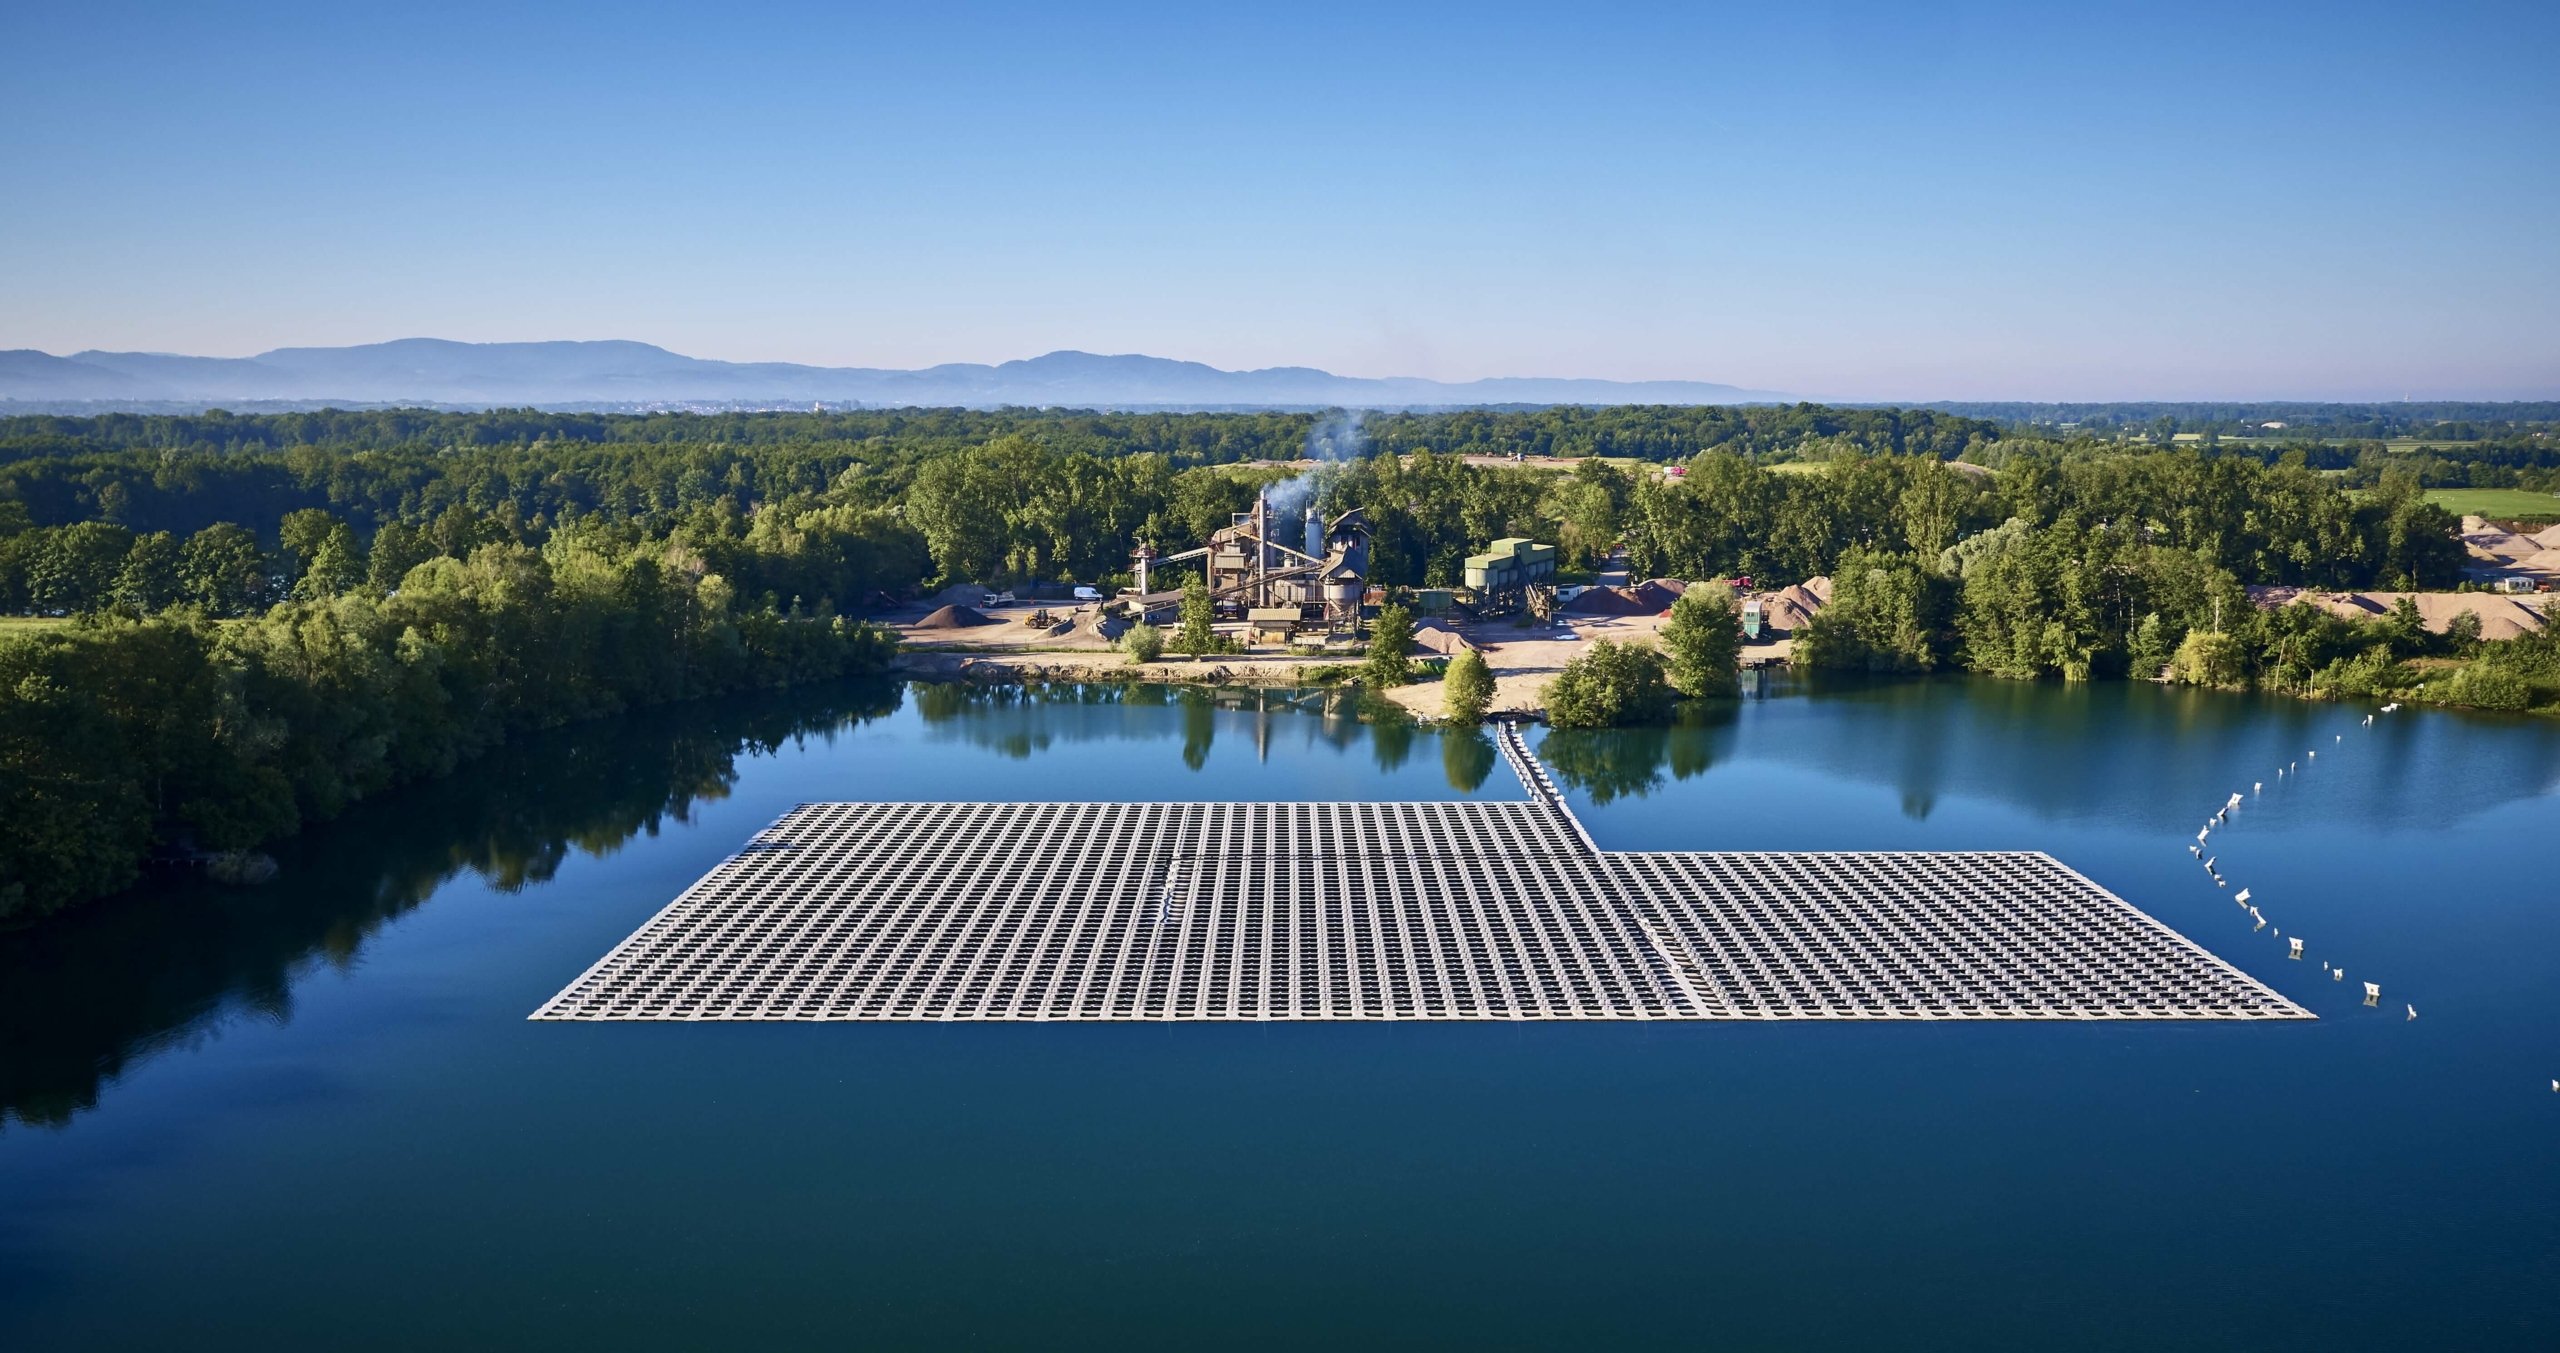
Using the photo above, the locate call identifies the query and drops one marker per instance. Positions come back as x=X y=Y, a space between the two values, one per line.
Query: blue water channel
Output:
x=312 y=1114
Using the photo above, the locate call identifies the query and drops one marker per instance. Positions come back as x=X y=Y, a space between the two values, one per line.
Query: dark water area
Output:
x=312 y=1114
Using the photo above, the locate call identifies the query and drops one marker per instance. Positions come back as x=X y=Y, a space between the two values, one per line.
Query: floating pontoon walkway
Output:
x=1338 y=911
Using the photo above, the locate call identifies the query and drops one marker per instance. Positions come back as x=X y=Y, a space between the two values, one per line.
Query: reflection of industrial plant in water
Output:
x=1282 y=589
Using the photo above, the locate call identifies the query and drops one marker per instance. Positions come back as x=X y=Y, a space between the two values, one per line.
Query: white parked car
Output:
x=1084 y=593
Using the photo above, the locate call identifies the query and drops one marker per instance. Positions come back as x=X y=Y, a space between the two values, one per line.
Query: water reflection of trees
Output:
x=100 y=989
x=1199 y=727
x=2138 y=752
x=1019 y=720
x=1615 y=763
x=1467 y=757
x=1391 y=733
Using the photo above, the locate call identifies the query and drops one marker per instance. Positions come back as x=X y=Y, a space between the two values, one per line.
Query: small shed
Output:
x=1273 y=622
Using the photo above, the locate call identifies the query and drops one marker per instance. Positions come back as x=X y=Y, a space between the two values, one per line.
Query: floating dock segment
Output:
x=1375 y=911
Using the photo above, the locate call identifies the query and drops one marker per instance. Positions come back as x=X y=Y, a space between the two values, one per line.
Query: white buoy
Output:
x=2254 y=916
x=2195 y=850
x=2243 y=897
x=2257 y=786
x=2208 y=861
x=2368 y=721
x=2233 y=801
x=2339 y=738
x=2337 y=974
x=2373 y=991
x=2413 y=1012
x=2296 y=942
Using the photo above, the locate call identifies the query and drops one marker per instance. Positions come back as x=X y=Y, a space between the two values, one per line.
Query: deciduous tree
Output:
x=1467 y=690
x=1702 y=642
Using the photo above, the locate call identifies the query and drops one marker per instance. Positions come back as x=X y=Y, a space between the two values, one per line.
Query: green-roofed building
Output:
x=1513 y=563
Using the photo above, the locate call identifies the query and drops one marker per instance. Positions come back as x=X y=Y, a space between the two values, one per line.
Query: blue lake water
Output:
x=313 y=1114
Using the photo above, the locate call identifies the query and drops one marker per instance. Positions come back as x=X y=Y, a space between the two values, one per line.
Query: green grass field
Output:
x=2496 y=503
x=16 y=626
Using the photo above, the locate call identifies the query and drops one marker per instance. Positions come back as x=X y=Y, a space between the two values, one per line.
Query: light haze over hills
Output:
x=436 y=371
x=1868 y=200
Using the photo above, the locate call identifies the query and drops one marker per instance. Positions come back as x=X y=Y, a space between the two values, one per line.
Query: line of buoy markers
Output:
x=2222 y=815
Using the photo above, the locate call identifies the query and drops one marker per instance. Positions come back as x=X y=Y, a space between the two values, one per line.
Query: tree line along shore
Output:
x=227 y=626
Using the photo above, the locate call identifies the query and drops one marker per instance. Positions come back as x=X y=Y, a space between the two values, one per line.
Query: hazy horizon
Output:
x=1847 y=202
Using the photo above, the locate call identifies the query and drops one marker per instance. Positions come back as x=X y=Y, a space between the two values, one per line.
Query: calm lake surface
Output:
x=313 y=1115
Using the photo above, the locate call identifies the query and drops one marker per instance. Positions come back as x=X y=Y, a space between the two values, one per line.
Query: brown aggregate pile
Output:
x=2501 y=616
x=1655 y=595
x=956 y=618
x=1609 y=601
x=1441 y=639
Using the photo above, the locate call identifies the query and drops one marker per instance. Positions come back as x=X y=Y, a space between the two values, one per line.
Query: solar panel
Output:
x=1374 y=911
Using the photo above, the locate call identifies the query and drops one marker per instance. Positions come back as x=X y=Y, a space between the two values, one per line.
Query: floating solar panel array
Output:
x=1367 y=911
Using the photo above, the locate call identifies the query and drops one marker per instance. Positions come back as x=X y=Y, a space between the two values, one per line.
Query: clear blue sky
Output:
x=1849 y=201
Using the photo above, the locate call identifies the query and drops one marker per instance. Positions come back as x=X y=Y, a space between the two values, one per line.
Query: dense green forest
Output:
x=838 y=508
x=267 y=617
x=123 y=738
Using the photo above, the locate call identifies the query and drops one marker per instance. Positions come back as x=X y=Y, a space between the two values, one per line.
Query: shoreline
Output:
x=996 y=665
x=1519 y=690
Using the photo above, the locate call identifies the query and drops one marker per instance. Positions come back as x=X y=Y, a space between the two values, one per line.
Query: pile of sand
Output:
x=955 y=618
x=2498 y=546
x=1656 y=594
x=1608 y=601
x=1790 y=609
x=1435 y=637
x=2501 y=616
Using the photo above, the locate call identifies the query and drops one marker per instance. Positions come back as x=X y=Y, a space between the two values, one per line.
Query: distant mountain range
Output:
x=434 y=371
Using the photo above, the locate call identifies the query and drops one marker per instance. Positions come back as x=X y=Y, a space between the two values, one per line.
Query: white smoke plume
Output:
x=1334 y=439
